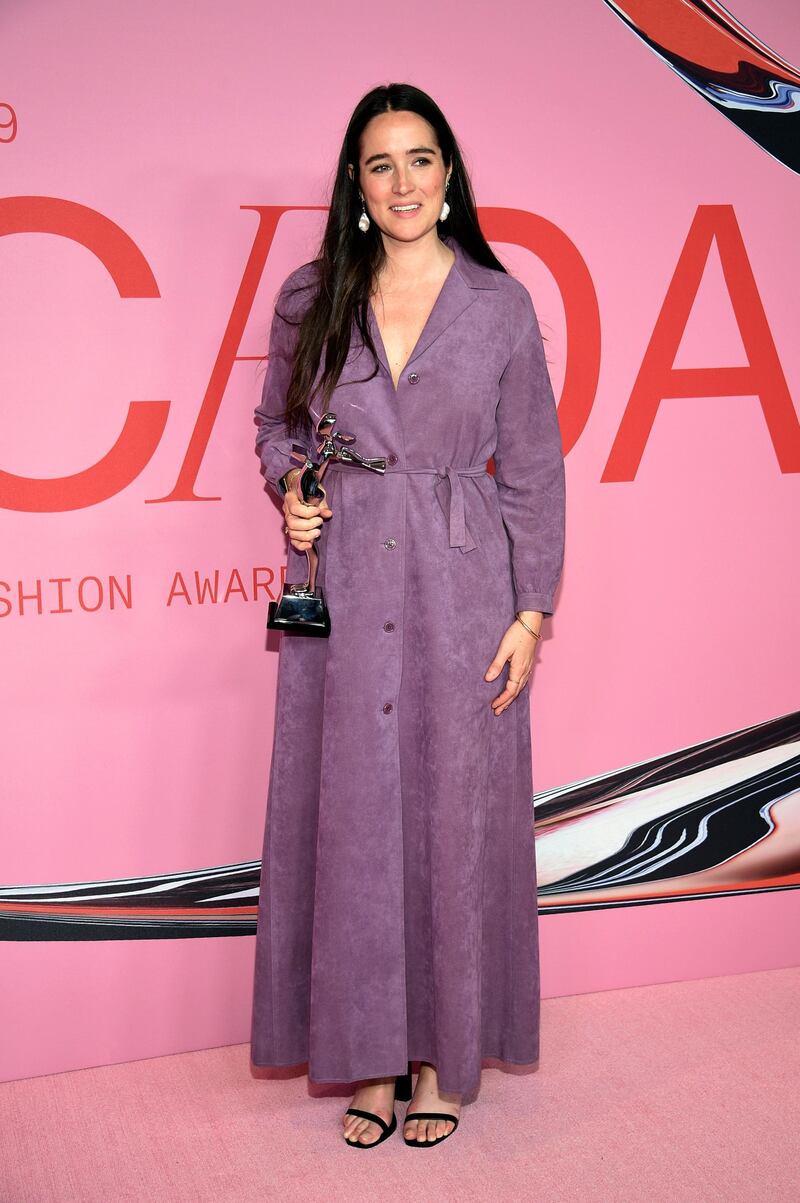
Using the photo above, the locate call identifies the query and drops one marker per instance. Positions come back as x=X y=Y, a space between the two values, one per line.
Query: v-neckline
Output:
x=423 y=331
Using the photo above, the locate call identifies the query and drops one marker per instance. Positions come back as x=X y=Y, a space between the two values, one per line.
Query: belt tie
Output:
x=459 y=535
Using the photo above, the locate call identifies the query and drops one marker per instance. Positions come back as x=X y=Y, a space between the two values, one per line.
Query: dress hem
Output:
x=394 y=1073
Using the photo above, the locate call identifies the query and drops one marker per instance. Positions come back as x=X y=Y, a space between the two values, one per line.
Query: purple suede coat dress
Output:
x=397 y=917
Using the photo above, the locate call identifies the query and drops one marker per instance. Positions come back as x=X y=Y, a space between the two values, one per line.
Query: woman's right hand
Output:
x=304 y=521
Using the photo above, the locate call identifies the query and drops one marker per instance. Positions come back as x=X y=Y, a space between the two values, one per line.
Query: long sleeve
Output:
x=273 y=445
x=529 y=466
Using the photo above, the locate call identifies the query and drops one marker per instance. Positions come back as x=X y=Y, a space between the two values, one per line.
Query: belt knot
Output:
x=455 y=512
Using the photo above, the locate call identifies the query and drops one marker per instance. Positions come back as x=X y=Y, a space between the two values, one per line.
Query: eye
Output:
x=379 y=167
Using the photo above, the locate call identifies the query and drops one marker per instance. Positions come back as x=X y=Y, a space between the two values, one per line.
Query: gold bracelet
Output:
x=527 y=628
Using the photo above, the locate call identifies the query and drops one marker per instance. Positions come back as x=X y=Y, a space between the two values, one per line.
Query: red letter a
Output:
x=762 y=378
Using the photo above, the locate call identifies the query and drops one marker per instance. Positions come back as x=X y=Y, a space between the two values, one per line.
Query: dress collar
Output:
x=474 y=274
x=457 y=294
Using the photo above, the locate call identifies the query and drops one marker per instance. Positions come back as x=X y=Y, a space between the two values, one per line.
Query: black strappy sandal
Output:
x=402 y=1091
x=423 y=1144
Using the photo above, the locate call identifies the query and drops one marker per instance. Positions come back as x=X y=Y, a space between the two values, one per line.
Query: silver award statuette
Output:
x=301 y=609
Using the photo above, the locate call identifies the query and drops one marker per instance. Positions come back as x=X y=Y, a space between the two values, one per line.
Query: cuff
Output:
x=276 y=461
x=543 y=602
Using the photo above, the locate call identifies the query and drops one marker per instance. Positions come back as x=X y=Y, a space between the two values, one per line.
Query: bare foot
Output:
x=427 y=1097
x=376 y=1096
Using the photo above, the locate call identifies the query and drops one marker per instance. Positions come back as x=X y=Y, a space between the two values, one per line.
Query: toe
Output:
x=354 y=1126
x=361 y=1131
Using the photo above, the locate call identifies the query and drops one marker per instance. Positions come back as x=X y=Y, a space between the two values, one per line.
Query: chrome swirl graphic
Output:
x=720 y=817
x=717 y=818
x=718 y=57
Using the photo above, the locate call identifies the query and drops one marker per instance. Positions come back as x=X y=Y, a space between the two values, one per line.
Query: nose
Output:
x=401 y=184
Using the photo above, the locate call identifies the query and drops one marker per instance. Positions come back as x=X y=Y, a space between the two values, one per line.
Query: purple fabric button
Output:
x=388 y=626
x=413 y=377
x=389 y=543
x=392 y=459
x=387 y=707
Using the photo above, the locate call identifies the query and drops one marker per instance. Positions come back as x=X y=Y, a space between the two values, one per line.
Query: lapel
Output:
x=459 y=290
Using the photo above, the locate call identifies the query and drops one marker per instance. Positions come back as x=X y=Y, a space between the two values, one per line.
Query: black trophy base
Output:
x=300 y=614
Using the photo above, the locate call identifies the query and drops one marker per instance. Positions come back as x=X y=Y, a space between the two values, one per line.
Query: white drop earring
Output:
x=445 y=207
x=363 y=221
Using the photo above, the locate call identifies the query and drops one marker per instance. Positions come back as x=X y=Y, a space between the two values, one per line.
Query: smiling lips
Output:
x=405 y=210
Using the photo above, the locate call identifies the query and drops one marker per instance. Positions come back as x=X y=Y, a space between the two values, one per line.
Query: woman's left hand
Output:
x=519 y=647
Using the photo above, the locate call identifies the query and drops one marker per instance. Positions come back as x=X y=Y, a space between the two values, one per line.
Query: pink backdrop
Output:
x=136 y=741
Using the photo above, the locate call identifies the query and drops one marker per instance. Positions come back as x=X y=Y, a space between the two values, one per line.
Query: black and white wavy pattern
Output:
x=720 y=817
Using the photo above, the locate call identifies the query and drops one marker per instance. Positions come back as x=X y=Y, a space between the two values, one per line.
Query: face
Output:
x=402 y=175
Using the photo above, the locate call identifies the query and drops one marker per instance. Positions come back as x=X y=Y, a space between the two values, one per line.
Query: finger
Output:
x=300 y=532
x=514 y=687
x=307 y=513
x=293 y=505
x=517 y=676
x=298 y=523
x=494 y=669
x=296 y=506
x=307 y=537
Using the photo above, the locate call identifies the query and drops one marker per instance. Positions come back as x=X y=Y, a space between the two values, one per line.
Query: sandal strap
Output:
x=376 y=1119
x=430 y=1115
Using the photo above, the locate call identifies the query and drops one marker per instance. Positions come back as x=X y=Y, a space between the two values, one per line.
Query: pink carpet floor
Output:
x=682 y=1092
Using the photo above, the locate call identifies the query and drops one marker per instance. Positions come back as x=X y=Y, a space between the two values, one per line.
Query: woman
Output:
x=397 y=914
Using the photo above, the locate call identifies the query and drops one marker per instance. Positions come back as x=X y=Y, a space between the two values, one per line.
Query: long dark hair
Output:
x=349 y=261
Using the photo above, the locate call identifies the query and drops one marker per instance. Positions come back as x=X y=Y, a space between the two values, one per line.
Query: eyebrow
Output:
x=415 y=150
